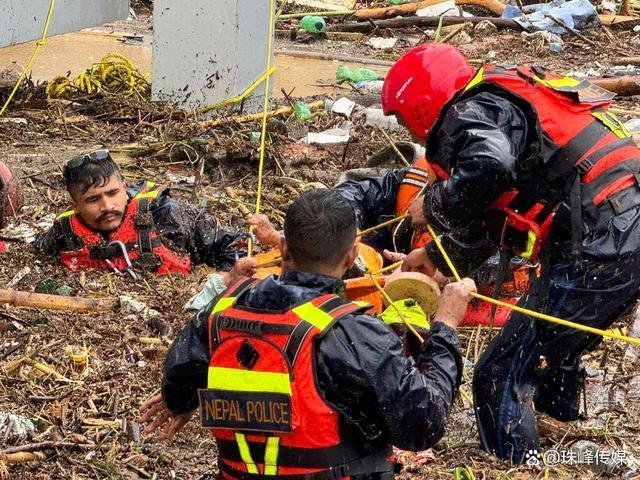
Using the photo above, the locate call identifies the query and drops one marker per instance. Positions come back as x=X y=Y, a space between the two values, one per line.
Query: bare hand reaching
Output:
x=453 y=302
x=157 y=417
x=263 y=230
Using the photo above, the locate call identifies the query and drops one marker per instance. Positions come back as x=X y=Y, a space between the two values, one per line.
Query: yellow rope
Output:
x=39 y=44
x=383 y=224
x=265 y=111
x=242 y=96
x=526 y=311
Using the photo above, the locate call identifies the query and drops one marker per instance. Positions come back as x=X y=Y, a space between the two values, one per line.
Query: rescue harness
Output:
x=134 y=243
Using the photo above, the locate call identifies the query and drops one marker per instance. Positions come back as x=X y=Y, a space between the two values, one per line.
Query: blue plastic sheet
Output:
x=575 y=14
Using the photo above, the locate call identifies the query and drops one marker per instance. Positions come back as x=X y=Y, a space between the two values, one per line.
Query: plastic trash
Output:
x=313 y=24
x=301 y=111
x=343 y=106
x=382 y=43
x=375 y=117
x=448 y=9
x=332 y=136
x=343 y=72
x=370 y=86
x=15 y=429
x=397 y=2
x=575 y=14
x=553 y=40
x=213 y=286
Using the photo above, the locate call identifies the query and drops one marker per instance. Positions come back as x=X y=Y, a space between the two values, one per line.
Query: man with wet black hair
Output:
x=125 y=229
x=297 y=382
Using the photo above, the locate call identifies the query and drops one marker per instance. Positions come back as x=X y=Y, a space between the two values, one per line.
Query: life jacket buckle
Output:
x=125 y=255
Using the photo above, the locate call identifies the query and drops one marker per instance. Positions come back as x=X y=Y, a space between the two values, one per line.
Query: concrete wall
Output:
x=23 y=20
x=206 y=51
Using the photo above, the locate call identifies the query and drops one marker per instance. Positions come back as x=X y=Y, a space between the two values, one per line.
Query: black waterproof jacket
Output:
x=384 y=397
x=183 y=228
x=490 y=143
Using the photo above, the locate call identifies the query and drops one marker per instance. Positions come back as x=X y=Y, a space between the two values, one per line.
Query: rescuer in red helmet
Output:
x=297 y=382
x=126 y=229
x=530 y=163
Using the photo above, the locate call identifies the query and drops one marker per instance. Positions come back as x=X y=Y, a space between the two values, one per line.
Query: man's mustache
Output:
x=104 y=216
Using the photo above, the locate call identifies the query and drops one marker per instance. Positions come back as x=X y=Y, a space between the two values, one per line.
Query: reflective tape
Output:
x=475 y=80
x=271 y=456
x=613 y=123
x=66 y=214
x=245 y=453
x=313 y=315
x=531 y=243
x=223 y=303
x=236 y=380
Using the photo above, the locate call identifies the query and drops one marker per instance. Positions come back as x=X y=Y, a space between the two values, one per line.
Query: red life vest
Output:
x=417 y=178
x=262 y=400
x=588 y=157
x=88 y=249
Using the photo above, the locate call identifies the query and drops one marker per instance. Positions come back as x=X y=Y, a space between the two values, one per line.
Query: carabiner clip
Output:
x=125 y=254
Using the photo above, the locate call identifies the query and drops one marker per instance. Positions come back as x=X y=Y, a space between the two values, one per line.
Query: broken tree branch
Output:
x=54 y=302
x=494 y=6
x=423 y=22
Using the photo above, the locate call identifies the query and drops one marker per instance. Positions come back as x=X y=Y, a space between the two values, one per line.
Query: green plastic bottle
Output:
x=313 y=24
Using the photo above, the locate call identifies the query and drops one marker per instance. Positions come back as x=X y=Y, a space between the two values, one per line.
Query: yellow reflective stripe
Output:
x=245 y=453
x=224 y=302
x=66 y=214
x=531 y=243
x=362 y=304
x=271 y=456
x=613 y=123
x=236 y=380
x=564 y=82
x=475 y=80
x=313 y=315
x=151 y=194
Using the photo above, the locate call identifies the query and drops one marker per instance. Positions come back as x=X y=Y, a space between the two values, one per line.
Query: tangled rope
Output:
x=113 y=75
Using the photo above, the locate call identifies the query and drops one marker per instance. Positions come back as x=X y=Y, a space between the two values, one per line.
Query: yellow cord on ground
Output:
x=39 y=43
x=526 y=311
x=114 y=74
x=265 y=111
x=242 y=96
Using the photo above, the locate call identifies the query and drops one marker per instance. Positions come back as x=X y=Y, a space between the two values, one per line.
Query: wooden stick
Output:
x=424 y=22
x=54 y=302
x=494 y=6
x=334 y=56
x=625 y=86
x=22 y=457
x=256 y=116
x=626 y=61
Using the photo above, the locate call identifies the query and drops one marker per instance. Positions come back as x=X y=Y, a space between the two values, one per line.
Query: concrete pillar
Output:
x=23 y=20
x=206 y=51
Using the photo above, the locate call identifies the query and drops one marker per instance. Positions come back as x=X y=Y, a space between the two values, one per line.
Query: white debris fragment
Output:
x=343 y=106
x=382 y=43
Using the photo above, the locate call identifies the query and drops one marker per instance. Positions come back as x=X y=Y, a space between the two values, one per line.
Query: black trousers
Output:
x=510 y=376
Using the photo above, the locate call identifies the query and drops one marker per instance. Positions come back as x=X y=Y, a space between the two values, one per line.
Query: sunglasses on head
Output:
x=97 y=156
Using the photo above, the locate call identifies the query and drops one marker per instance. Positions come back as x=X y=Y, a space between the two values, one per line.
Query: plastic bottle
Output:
x=376 y=118
x=313 y=24
x=370 y=86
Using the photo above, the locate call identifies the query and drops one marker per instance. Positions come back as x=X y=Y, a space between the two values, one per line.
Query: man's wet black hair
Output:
x=320 y=228
x=89 y=170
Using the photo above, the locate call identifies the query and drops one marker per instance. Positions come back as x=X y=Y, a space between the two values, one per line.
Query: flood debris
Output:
x=74 y=381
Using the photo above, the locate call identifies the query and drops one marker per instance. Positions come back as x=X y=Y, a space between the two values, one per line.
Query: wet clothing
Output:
x=489 y=141
x=382 y=397
x=182 y=228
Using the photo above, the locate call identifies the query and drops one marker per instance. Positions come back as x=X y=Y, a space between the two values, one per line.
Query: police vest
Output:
x=587 y=156
x=88 y=249
x=262 y=400
x=417 y=178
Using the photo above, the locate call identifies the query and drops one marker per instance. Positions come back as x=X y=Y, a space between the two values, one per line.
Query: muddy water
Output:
x=75 y=52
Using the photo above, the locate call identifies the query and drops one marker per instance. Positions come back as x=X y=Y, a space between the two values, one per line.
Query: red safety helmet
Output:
x=422 y=82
